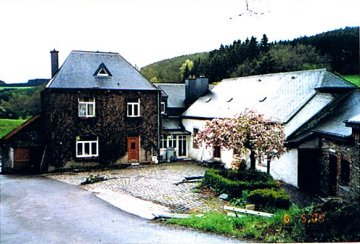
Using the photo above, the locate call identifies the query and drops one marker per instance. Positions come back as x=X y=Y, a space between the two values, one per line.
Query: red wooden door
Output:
x=133 y=148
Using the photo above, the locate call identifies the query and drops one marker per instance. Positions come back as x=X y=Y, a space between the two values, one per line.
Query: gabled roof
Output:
x=79 y=69
x=333 y=82
x=347 y=110
x=278 y=96
x=354 y=120
x=21 y=127
x=175 y=93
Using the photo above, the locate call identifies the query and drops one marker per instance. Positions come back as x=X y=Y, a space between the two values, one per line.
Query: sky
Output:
x=146 y=31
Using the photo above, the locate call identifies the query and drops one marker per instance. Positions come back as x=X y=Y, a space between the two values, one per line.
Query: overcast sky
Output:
x=146 y=31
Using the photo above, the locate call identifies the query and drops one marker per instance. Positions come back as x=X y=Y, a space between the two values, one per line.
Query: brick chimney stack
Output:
x=54 y=62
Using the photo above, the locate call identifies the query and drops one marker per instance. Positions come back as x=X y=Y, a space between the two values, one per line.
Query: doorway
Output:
x=308 y=170
x=332 y=175
x=133 y=146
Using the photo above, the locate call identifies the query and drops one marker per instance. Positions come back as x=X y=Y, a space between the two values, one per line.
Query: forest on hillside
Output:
x=337 y=51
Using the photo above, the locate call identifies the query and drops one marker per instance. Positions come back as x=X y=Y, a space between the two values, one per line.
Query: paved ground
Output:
x=36 y=209
x=152 y=183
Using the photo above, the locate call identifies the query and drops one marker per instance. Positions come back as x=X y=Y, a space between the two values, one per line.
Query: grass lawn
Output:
x=355 y=79
x=15 y=87
x=7 y=125
x=251 y=228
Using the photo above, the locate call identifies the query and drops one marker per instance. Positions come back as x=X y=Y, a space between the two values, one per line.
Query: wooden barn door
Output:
x=133 y=146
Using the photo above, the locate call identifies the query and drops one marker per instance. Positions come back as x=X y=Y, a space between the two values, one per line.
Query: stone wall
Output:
x=111 y=124
x=340 y=151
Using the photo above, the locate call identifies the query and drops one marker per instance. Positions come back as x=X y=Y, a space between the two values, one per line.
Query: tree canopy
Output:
x=250 y=131
x=336 y=50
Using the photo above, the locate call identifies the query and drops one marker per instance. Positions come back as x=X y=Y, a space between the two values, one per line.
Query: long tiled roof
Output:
x=279 y=96
x=80 y=67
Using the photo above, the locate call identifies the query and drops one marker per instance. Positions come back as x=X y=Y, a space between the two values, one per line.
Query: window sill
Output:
x=87 y=157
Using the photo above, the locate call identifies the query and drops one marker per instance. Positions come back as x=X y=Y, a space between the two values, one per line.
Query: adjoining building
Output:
x=312 y=106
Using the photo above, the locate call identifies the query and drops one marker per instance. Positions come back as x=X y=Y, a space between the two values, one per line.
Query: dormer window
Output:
x=102 y=71
x=86 y=107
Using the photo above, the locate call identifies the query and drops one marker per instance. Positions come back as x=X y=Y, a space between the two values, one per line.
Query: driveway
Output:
x=152 y=183
x=36 y=209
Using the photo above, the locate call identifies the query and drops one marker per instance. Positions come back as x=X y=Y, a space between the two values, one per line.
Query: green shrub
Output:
x=270 y=198
x=228 y=181
x=220 y=184
x=247 y=175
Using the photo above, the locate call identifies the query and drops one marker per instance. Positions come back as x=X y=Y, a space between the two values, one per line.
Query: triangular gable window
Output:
x=102 y=71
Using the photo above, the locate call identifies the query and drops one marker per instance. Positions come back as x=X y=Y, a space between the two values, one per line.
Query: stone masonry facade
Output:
x=345 y=163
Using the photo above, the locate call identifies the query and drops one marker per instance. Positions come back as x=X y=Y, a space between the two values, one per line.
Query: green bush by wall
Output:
x=270 y=198
x=234 y=182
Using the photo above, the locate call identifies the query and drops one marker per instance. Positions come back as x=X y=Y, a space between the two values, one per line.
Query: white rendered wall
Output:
x=286 y=168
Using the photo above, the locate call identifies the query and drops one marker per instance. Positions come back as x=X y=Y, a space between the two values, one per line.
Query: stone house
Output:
x=97 y=109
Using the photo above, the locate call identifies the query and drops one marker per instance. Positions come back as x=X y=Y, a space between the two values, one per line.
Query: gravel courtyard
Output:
x=155 y=183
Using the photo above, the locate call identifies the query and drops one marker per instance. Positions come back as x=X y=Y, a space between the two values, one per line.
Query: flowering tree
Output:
x=249 y=131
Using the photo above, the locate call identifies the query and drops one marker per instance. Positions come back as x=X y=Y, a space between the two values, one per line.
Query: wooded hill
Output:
x=336 y=50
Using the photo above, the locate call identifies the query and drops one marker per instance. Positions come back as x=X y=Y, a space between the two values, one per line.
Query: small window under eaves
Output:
x=102 y=71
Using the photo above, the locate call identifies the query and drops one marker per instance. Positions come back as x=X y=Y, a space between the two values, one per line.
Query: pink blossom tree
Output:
x=249 y=131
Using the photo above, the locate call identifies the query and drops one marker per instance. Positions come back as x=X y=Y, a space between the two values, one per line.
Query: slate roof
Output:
x=79 y=71
x=347 y=110
x=173 y=126
x=331 y=81
x=175 y=93
x=279 y=96
x=354 y=120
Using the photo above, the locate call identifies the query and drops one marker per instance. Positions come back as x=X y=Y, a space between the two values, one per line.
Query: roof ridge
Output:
x=279 y=73
x=94 y=52
x=20 y=127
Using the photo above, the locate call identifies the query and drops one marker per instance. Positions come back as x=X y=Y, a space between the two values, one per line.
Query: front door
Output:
x=133 y=148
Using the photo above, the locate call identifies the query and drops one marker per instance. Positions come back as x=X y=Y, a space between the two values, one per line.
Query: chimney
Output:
x=54 y=62
x=195 y=88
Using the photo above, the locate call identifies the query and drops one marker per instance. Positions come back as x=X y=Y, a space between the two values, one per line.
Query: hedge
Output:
x=270 y=198
x=220 y=182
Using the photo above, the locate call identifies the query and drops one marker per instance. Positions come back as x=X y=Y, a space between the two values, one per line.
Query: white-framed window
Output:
x=172 y=141
x=163 y=142
x=87 y=148
x=162 y=107
x=133 y=108
x=177 y=142
x=86 y=107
